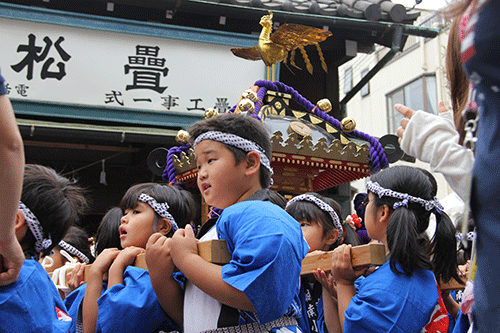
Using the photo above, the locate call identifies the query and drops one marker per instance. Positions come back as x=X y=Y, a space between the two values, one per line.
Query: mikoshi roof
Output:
x=312 y=151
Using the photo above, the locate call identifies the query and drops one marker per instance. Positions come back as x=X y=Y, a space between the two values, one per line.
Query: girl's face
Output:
x=137 y=225
x=371 y=215
x=314 y=236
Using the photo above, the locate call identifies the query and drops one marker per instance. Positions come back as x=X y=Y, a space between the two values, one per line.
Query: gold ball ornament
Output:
x=250 y=94
x=246 y=105
x=324 y=105
x=348 y=124
x=210 y=112
x=182 y=136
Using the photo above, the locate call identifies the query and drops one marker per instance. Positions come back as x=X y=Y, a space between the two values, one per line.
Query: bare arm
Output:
x=330 y=303
x=11 y=179
x=161 y=267
x=94 y=288
x=205 y=275
x=344 y=276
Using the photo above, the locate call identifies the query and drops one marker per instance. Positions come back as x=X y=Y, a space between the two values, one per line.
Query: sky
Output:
x=425 y=4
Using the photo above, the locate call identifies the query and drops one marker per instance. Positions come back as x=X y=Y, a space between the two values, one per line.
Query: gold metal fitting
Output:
x=210 y=112
x=246 y=105
x=250 y=94
x=348 y=124
x=324 y=105
x=182 y=136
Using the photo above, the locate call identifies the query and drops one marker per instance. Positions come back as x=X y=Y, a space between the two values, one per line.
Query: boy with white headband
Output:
x=127 y=302
x=258 y=290
x=49 y=204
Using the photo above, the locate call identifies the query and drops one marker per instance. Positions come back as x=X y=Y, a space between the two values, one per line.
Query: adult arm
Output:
x=433 y=139
x=11 y=179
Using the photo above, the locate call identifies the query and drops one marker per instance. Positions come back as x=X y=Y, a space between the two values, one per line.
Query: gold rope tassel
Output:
x=306 y=59
x=322 y=58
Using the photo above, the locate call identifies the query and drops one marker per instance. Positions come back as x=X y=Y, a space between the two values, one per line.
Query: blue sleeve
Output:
x=32 y=303
x=267 y=249
x=131 y=306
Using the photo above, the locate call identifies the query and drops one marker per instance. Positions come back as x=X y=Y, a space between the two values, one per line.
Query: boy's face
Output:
x=221 y=181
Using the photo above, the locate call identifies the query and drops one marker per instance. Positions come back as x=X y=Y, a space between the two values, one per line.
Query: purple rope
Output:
x=169 y=171
x=377 y=154
x=358 y=205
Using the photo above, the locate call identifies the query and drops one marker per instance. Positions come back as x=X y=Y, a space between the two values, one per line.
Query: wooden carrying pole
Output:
x=215 y=251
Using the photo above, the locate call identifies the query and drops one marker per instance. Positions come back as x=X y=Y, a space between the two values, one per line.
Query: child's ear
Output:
x=253 y=163
x=20 y=226
x=384 y=213
x=332 y=236
x=163 y=226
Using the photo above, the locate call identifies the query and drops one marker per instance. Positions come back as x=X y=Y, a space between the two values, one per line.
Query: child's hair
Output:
x=246 y=127
x=180 y=202
x=305 y=210
x=108 y=233
x=277 y=199
x=410 y=219
x=350 y=235
x=56 y=202
x=78 y=239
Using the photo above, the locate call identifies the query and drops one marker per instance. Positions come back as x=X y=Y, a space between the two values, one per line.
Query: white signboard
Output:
x=73 y=65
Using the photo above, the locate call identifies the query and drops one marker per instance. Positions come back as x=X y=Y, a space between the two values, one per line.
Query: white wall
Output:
x=419 y=57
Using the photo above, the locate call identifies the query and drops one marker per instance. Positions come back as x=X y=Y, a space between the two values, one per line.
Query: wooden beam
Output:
x=361 y=256
x=215 y=251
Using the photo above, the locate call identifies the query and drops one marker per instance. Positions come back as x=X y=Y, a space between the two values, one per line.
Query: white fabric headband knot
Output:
x=41 y=243
x=160 y=208
x=470 y=236
x=323 y=206
x=238 y=142
x=74 y=251
x=429 y=205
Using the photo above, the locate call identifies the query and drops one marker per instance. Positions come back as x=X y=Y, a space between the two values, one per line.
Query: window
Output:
x=366 y=88
x=419 y=94
x=348 y=80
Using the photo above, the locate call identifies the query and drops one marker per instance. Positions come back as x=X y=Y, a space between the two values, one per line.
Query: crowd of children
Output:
x=261 y=289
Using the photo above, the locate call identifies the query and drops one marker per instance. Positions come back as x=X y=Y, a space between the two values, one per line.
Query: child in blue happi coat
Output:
x=321 y=222
x=258 y=290
x=403 y=294
x=49 y=204
x=129 y=303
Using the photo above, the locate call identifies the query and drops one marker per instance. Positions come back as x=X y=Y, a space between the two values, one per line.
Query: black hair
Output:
x=277 y=199
x=350 y=235
x=79 y=239
x=108 y=233
x=406 y=228
x=308 y=211
x=180 y=201
x=56 y=201
x=246 y=127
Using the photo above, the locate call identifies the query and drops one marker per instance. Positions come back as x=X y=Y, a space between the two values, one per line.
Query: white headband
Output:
x=160 y=208
x=41 y=243
x=470 y=236
x=238 y=142
x=323 y=206
x=429 y=205
x=74 y=251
